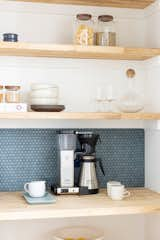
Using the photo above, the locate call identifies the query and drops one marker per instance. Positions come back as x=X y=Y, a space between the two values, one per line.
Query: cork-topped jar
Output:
x=132 y=101
x=84 y=32
x=106 y=33
x=1 y=93
x=12 y=94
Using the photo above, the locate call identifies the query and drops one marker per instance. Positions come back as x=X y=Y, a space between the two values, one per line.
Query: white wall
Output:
x=152 y=160
x=152 y=16
x=152 y=84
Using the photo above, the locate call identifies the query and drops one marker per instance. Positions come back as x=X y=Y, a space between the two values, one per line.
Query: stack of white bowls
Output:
x=44 y=94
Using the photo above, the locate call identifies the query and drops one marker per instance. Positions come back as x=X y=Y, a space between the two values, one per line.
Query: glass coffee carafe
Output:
x=131 y=101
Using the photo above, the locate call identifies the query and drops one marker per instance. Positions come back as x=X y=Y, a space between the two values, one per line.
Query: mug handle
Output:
x=26 y=187
x=126 y=194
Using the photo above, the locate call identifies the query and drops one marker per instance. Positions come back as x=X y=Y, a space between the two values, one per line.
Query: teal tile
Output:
x=31 y=154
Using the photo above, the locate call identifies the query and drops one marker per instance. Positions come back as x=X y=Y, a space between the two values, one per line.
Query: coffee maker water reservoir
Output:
x=67 y=147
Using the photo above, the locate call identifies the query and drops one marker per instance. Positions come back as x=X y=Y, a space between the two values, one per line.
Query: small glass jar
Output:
x=12 y=94
x=106 y=34
x=1 y=94
x=84 y=33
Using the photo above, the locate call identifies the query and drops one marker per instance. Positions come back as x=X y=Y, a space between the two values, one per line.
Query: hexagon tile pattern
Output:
x=31 y=154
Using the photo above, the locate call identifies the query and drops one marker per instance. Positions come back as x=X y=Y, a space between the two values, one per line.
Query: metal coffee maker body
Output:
x=88 y=176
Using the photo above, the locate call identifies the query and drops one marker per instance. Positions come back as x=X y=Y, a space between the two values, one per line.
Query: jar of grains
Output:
x=106 y=34
x=84 y=33
x=12 y=94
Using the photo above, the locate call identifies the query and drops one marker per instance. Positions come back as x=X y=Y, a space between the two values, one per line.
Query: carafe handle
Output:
x=101 y=165
x=99 y=139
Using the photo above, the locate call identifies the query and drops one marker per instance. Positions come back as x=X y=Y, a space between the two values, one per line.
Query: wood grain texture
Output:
x=14 y=207
x=80 y=116
x=140 y=116
x=75 y=51
x=60 y=116
x=140 y=4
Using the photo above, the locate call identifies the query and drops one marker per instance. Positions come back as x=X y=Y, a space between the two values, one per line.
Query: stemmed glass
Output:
x=105 y=99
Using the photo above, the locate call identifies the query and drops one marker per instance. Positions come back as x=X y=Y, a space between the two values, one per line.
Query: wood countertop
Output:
x=14 y=207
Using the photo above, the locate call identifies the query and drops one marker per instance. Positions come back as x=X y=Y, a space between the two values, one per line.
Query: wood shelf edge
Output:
x=137 y=4
x=61 y=115
x=76 y=51
x=80 y=116
x=140 y=116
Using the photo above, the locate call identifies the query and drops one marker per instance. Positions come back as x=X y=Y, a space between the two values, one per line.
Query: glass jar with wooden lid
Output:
x=106 y=34
x=12 y=94
x=1 y=94
x=84 y=33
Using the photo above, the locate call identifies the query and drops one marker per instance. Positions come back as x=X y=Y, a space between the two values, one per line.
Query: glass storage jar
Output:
x=12 y=94
x=1 y=94
x=84 y=33
x=131 y=101
x=106 y=34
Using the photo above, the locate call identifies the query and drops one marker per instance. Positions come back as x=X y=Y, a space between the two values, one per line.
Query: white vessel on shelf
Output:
x=131 y=101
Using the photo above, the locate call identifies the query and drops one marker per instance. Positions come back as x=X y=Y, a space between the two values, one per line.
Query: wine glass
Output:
x=105 y=99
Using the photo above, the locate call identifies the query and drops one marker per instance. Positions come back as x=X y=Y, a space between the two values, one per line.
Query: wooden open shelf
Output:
x=140 y=4
x=140 y=116
x=60 y=116
x=14 y=207
x=80 y=116
x=75 y=51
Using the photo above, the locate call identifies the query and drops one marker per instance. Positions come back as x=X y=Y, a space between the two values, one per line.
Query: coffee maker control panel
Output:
x=63 y=191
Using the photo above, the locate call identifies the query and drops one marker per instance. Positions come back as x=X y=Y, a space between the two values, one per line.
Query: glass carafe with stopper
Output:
x=131 y=101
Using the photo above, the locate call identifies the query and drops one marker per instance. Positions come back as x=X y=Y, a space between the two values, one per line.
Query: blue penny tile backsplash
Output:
x=31 y=154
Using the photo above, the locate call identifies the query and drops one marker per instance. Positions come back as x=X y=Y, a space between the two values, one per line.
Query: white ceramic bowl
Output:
x=45 y=93
x=131 y=109
x=37 y=86
x=43 y=101
x=78 y=232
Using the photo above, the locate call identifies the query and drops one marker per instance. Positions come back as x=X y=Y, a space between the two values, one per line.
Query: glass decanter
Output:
x=131 y=101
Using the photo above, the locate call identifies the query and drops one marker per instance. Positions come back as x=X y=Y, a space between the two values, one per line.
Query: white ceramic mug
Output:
x=118 y=192
x=110 y=184
x=36 y=188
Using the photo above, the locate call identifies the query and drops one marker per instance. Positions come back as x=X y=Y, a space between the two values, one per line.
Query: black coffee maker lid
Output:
x=88 y=138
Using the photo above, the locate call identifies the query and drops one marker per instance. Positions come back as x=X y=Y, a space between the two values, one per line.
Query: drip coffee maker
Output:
x=88 y=175
x=78 y=178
